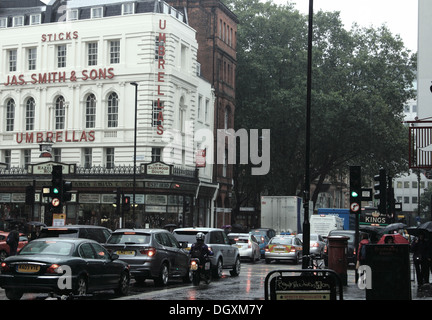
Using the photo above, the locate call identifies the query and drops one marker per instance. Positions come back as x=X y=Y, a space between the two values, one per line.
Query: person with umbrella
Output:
x=420 y=249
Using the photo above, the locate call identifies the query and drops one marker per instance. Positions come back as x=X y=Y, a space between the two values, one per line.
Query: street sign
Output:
x=355 y=207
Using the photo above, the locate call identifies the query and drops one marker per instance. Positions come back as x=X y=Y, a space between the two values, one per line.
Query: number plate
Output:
x=28 y=268
x=126 y=252
x=194 y=267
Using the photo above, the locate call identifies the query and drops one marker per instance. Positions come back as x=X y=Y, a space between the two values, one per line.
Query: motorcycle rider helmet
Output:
x=200 y=236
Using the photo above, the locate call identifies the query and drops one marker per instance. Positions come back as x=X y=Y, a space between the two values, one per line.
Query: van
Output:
x=323 y=224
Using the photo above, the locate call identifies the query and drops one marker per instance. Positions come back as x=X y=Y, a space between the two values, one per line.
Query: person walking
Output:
x=12 y=240
x=361 y=252
x=421 y=259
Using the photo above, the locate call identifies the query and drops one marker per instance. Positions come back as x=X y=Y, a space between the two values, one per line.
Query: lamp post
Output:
x=135 y=84
x=306 y=192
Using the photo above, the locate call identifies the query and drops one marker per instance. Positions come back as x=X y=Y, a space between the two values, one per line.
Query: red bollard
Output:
x=337 y=260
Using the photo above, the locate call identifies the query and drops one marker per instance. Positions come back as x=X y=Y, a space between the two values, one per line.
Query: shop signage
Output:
x=200 y=158
x=56 y=136
x=158 y=168
x=160 y=76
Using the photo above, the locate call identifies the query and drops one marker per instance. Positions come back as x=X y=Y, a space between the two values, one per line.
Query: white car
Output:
x=247 y=244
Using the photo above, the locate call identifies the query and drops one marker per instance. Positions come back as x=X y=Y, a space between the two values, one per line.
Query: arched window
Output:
x=30 y=113
x=60 y=113
x=112 y=110
x=90 y=111
x=10 y=114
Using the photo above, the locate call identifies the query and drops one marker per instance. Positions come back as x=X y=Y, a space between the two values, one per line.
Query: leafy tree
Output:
x=361 y=80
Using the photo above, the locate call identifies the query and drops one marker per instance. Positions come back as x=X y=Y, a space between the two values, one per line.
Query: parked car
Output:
x=42 y=264
x=351 y=254
x=96 y=233
x=247 y=244
x=151 y=253
x=317 y=244
x=284 y=248
x=225 y=256
x=4 y=247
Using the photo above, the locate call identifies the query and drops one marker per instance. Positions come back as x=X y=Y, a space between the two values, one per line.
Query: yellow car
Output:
x=284 y=248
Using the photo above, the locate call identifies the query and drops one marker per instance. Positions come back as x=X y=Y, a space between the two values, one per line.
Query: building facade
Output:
x=111 y=88
x=216 y=29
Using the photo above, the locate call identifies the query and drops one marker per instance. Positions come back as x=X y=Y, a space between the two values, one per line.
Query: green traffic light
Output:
x=354 y=194
x=55 y=190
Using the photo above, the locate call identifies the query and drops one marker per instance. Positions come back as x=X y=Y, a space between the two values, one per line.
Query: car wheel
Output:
x=13 y=294
x=81 y=287
x=236 y=269
x=123 y=287
x=217 y=272
x=162 y=279
x=188 y=276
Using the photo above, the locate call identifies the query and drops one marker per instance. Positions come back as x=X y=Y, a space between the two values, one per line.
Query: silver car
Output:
x=317 y=244
x=247 y=244
x=284 y=248
x=225 y=256
x=151 y=253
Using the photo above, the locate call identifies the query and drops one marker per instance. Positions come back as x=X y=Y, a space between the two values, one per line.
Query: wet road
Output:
x=249 y=285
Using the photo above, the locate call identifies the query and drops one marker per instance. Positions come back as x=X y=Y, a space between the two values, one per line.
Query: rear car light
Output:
x=55 y=268
x=150 y=251
x=293 y=250
x=266 y=248
x=315 y=244
x=249 y=244
x=4 y=267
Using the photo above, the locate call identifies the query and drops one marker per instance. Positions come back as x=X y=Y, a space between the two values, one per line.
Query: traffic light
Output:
x=355 y=189
x=30 y=195
x=126 y=203
x=381 y=191
x=66 y=188
x=56 y=189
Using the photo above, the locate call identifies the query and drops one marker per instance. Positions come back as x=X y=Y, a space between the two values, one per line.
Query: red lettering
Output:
x=160 y=93
x=91 y=136
x=59 y=137
x=83 y=136
x=29 y=137
x=110 y=73
x=43 y=38
x=161 y=76
x=160 y=24
x=161 y=64
x=18 y=140
x=39 y=137
x=49 y=136
x=160 y=129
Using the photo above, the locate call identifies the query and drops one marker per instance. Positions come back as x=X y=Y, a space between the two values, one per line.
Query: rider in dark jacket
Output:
x=199 y=249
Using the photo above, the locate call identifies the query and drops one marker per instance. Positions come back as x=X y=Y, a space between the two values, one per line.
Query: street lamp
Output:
x=135 y=84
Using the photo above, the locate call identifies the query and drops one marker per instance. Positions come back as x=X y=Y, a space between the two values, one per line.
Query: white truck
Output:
x=323 y=224
x=282 y=213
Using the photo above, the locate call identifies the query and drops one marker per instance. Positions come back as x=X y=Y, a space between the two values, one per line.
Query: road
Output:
x=249 y=285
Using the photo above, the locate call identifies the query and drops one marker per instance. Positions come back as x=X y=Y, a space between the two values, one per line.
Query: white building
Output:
x=66 y=70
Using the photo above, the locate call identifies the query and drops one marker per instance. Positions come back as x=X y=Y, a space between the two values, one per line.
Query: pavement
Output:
x=352 y=291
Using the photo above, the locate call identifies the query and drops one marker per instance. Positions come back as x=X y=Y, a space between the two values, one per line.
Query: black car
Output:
x=63 y=265
x=151 y=253
x=96 y=233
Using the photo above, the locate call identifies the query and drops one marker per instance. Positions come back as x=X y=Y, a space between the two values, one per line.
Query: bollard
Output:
x=337 y=256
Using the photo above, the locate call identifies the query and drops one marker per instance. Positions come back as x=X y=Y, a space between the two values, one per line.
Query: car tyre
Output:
x=236 y=269
x=217 y=271
x=81 y=286
x=162 y=279
x=13 y=294
x=188 y=276
x=3 y=255
x=123 y=287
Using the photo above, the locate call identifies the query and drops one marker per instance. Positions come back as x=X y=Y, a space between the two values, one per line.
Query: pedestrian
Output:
x=361 y=252
x=420 y=250
x=12 y=240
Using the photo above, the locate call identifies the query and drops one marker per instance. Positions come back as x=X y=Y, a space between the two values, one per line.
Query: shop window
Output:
x=12 y=60
x=61 y=56
x=92 y=53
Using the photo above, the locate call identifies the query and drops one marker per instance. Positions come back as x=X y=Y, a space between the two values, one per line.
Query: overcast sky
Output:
x=400 y=16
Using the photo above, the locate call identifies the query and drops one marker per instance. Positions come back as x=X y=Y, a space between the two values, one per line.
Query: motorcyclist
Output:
x=200 y=250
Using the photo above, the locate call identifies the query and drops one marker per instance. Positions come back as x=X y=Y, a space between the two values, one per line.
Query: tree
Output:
x=361 y=80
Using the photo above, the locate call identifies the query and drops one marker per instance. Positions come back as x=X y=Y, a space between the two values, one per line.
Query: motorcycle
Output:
x=200 y=271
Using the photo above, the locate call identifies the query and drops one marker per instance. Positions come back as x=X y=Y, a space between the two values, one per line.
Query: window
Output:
x=206 y=110
x=156 y=154
x=112 y=110
x=406 y=184
x=8 y=158
x=30 y=114
x=57 y=154
x=86 y=251
x=414 y=184
x=128 y=8
x=61 y=56
x=72 y=15
x=32 y=55
x=90 y=111
x=96 y=12
x=199 y=106
x=115 y=51
x=27 y=157
x=159 y=48
x=92 y=53
x=3 y=22
x=110 y=158
x=157 y=107
x=18 y=21
x=399 y=184
x=13 y=60
x=87 y=158
x=10 y=114
x=59 y=113
x=35 y=19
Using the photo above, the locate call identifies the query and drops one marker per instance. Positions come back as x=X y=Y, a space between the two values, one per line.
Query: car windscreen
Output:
x=48 y=247
x=59 y=232
x=188 y=236
x=285 y=241
x=129 y=238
